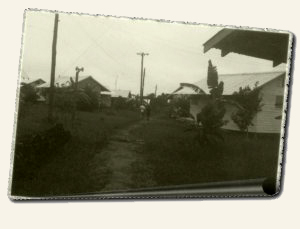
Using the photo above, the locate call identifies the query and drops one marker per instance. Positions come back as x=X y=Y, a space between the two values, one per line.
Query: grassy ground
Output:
x=63 y=169
x=171 y=153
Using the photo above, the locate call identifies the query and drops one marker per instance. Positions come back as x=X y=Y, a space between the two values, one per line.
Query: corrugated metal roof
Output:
x=29 y=81
x=232 y=82
x=120 y=93
x=63 y=81
x=105 y=92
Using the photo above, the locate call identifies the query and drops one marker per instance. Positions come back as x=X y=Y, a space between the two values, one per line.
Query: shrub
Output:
x=28 y=94
x=87 y=100
x=211 y=118
x=249 y=101
x=180 y=107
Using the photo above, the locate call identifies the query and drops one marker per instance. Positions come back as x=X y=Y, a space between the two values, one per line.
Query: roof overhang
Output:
x=266 y=45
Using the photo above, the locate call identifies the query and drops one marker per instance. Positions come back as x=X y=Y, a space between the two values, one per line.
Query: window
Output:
x=281 y=81
x=279 y=101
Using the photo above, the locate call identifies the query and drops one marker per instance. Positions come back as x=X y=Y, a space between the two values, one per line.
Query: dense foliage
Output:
x=211 y=116
x=180 y=107
x=249 y=102
x=28 y=94
x=87 y=100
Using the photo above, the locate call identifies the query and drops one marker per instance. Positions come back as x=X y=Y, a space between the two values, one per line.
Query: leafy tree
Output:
x=212 y=76
x=249 y=101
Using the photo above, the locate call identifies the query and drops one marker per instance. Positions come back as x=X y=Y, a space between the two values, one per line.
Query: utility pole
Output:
x=52 y=77
x=142 y=54
x=143 y=85
x=77 y=75
x=155 y=90
x=116 y=82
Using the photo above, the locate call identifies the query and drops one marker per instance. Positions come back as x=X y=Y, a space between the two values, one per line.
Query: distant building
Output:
x=32 y=82
x=121 y=93
x=83 y=82
x=271 y=86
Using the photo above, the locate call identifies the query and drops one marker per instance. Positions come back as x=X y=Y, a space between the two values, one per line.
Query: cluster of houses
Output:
x=270 y=84
x=106 y=96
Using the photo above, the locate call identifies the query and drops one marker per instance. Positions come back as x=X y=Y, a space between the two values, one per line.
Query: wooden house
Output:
x=271 y=87
x=83 y=82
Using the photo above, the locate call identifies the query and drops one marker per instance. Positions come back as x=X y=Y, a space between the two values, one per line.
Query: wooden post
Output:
x=143 y=85
x=52 y=77
x=142 y=75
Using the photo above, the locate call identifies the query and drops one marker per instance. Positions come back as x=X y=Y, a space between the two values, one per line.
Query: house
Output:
x=271 y=87
x=121 y=93
x=119 y=98
x=32 y=82
x=83 y=82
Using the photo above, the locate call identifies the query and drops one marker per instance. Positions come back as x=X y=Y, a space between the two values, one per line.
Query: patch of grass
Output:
x=64 y=169
x=174 y=156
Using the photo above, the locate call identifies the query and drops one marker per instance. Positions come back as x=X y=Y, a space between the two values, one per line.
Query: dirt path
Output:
x=119 y=156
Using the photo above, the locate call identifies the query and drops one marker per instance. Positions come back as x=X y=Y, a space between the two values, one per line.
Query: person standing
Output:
x=148 y=111
x=142 y=110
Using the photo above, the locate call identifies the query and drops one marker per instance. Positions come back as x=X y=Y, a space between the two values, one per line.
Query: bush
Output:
x=36 y=150
x=180 y=107
x=211 y=118
x=87 y=100
x=249 y=102
x=28 y=94
x=119 y=103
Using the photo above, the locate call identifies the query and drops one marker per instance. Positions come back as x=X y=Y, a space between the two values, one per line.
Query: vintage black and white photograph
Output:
x=116 y=107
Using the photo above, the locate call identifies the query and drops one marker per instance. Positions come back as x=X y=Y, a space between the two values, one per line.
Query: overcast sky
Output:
x=106 y=47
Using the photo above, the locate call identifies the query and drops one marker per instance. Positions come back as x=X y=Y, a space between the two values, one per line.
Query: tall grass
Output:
x=175 y=157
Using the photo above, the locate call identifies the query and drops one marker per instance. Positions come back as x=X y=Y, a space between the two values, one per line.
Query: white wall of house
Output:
x=266 y=121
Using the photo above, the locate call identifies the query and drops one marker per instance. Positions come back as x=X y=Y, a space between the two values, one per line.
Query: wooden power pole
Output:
x=143 y=85
x=52 y=77
x=142 y=54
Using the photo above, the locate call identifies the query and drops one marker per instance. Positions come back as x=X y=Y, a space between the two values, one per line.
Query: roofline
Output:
x=33 y=80
x=80 y=80
x=94 y=81
x=280 y=73
x=251 y=73
x=260 y=86
x=217 y=38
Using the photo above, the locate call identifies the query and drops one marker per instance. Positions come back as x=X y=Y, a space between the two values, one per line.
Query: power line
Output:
x=87 y=49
